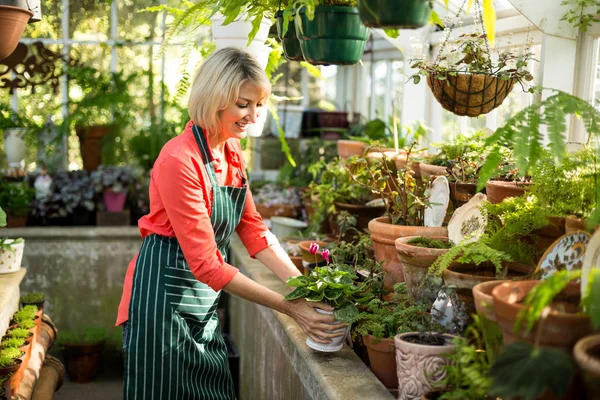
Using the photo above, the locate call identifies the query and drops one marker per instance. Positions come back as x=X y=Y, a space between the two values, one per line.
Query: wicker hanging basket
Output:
x=470 y=94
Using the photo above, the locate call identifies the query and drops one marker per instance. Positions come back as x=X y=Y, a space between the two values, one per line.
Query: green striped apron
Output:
x=174 y=349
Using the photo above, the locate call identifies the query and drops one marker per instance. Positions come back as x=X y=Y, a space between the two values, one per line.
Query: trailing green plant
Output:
x=34 y=297
x=19 y=333
x=429 y=243
x=12 y=342
x=84 y=335
x=403 y=196
x=582 y=13
x=523 y=132
x=333 y=285
x=568 y=188
x=385 y=319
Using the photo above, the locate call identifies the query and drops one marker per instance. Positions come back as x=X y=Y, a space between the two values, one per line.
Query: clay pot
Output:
x=348 y=148
x=574 y=224
x=382 y=356
x=550 y=233
x=384 y=235
x=499 y=190
x=282 y=210
x=420 y=366
x=415 y=262
x=587 y=355
x=560 y=329
x=90 y=145
x=305 y=247
x=83 y=361
x=12 y=25
x=363 y=215
x=465 y=276
x=297 y=260
x=429 y=171
x=461 y=193
x=416 y=168
x=484 y=302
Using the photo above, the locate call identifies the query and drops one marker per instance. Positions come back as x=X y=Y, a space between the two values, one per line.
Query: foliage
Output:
x=109 y=177
x=16 y=197
x=70 y=192
x=12 y=342
x=470 y=55
x=377 y=133
x=333 y=285
x=272 y=194
x=312 y=151
x=34 y=297
x=568 y=188
x=11 y=119
x=403 y=195
x=523 y=131
x=385 y=319
x=477 y=253
x=429 y=243
x=19 y=333
x=26 y=313
x=578 y=14
x=8 y=356
x=469 y=147
x=84 y=335
x=591 y=300
x=524 y=371
x=467 y=373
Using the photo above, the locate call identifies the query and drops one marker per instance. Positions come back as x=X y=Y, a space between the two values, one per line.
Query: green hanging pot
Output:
x=335 y=36
x=289 y=42
x=405 y=14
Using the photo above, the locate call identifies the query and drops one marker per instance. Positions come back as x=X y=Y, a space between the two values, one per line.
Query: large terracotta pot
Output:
x=12 y=25
x=348 y=148
x=419 y=366
x=461 y=193
x=280 y=210
x=382 y=356
x=484 y=302
x=384 y=235
x=574 y=224
x=550 y=233
x=429 y=171
x=499 y=190
x=90 y=146
x=560 y=329
x=587 y=356
x=465 y=276
x=415 y=262
x=83 y=361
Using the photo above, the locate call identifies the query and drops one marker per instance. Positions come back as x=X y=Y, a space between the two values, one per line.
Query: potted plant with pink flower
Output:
x=113 y=182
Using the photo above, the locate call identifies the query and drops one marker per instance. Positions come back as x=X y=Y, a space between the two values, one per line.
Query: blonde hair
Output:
x=217 y=84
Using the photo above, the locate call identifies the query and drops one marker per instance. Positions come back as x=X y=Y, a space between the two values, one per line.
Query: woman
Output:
x=198 y=198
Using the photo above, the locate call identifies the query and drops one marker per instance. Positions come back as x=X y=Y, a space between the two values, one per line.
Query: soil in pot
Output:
x=382 y=356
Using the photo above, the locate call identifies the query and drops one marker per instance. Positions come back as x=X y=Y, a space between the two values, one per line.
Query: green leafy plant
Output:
x=377 y=133
x=8 y=356
x=16 y=197
x=26 y=313
x=33 y=297
x=333 y=285
x=19 y=333
x=12 y=342
x=429 y=243
x=582 y=13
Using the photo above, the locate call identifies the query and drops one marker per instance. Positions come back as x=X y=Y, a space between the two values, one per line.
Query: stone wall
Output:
x=80 y=269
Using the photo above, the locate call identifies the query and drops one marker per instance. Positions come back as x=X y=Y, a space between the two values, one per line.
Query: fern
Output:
x=470 y=253
x=523 y=131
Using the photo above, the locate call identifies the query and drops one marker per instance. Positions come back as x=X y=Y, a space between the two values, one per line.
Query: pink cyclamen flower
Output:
x=325 y=255
x=313 y=248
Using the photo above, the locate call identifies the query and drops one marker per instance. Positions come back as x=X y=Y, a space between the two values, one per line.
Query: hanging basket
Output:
x=12 y=25
x=468 y=94
x=289 y=41
x=398 y=14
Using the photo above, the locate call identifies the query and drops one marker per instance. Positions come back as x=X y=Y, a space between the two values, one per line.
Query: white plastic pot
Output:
x=10 y=259
x=14 y=145
x=237 y=31
x=336 y=343
x=284 y=226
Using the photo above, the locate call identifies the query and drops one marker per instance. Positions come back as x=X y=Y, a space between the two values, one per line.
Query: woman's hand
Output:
x=319 y=327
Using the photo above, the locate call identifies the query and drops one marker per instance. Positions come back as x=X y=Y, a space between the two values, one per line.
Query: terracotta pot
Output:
x=465 y=276
x=415 y=262
x=297 y=260
x=429 y=171
x=416 y=168
x=587 y=355
x=384 y=235
x=574 y=224
x=363 y=215
x=549 y=233
x=499 y=190
x=15 y=379
x=348 y=148
x=12 y=25
x=461 y=193
x=484 y=302
x=15 y=222
x=559 y=330
x=83 y=361
x=382 y=356
x=305 y=247
x=282 y=210
x=419 y=366
x=90 y=146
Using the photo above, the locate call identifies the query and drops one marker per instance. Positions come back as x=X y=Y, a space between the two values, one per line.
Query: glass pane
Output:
x=89 y=19
x=398 y=79
x=379 y=79
x=138 y=26
x=322 y=90
x=290 y=83
x=50 y=26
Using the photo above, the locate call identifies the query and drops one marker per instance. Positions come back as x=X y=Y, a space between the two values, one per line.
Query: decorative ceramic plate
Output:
x=566 y=253
x=439 y=196
x=468 y=223
x=591 y=260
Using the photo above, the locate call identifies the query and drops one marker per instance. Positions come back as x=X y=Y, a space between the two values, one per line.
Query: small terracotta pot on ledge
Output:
x=348 y=148
x=499 y=190
x=382 y=356
x=484 y=301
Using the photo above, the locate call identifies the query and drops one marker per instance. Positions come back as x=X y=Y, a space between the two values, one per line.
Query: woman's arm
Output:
x=316 y=326
x=277 y=260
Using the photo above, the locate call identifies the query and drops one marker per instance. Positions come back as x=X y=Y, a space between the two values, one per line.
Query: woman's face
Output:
x=245 y=111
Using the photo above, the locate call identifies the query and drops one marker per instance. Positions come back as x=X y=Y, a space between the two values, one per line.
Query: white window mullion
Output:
x=64 y=84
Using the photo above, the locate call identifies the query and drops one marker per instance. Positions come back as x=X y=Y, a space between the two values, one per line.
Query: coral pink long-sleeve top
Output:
x=180 y=206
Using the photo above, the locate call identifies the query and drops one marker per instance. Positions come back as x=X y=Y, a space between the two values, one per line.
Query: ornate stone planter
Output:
x=419 y=366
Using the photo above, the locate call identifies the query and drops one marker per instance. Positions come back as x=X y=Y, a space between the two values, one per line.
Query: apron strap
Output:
x=205 y=153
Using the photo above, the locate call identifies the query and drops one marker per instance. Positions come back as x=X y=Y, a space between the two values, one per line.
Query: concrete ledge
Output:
x=75 y=232
x=9 y=297
x=275 y=362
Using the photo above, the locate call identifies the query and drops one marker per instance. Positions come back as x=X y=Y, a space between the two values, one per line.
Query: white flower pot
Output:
x=10 y=259
x=336 y=343
x=14 y=145
x=284 y=226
